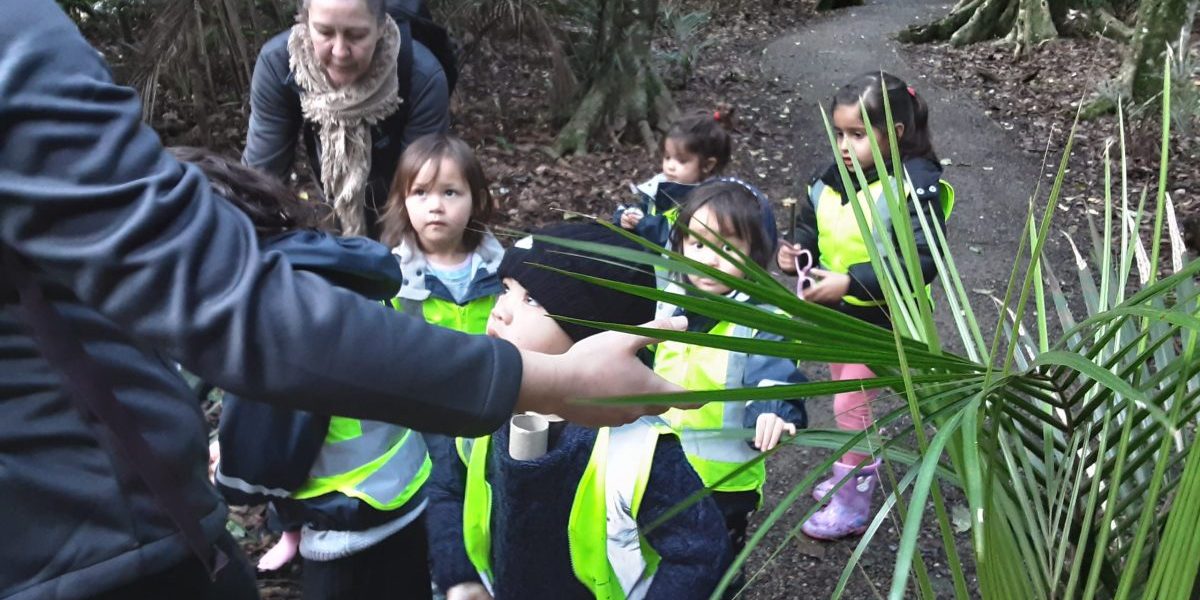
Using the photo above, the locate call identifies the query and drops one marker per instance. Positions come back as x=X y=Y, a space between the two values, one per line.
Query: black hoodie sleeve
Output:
x=90 y=199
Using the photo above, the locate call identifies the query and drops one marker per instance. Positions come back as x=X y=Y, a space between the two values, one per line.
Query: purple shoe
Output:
x=823 y=488
x=849 y=512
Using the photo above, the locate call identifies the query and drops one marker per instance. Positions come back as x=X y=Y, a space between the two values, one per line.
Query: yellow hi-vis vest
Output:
x=609 y=555
x=471 y=317
x=705 y=431
x=840 y=240
x=381 y=464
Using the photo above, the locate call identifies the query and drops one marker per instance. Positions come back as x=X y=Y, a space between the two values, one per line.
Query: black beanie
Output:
x=566 y=296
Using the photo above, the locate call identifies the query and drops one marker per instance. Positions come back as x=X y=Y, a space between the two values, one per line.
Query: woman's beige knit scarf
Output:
x=344 y=117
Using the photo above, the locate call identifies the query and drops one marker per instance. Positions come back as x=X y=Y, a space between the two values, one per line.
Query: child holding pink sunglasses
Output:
x=827 y=234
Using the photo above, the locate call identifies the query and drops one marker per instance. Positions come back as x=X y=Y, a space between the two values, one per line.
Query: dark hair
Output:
x=437 y=147
x=738 y=214
x=377 y=8
x=272 y=207
x=706 y=134
x=907 y=107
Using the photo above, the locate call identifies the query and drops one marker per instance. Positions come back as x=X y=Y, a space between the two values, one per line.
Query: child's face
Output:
x=704 y=224
x=519 y=319
x=681 y=166
x=853 y=139
x=439 y=206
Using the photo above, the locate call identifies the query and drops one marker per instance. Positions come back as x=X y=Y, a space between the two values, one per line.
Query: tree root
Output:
x=1023 y=23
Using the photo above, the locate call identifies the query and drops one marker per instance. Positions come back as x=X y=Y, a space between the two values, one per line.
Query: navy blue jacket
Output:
x=655 y=197
x=143 y=260
x=531 y=503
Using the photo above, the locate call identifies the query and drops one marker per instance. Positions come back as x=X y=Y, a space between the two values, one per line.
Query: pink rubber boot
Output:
x=849 y=512
x=823 y=488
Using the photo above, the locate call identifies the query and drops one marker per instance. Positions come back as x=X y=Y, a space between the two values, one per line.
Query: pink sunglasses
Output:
x=804 y=263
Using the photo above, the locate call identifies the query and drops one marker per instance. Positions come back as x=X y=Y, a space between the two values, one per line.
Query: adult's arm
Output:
x=90 y=199
x=275 y=116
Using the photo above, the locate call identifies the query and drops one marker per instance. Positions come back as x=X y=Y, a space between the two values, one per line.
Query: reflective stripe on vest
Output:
x=471 y=317
x=603 y=512
x=708 y=433
x=839 y=238
x=381 y=464
x=477 y=506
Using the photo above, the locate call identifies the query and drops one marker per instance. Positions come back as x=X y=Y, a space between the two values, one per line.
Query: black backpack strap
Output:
x=87 y=386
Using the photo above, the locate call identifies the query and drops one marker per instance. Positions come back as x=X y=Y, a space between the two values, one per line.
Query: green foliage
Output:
x=685 y=28
x=1072 y=449
x=1185 y=88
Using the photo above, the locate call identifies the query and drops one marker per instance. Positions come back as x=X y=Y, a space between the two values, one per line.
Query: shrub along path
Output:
x=993 y=178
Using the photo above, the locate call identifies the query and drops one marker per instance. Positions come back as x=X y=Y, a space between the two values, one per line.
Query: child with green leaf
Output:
x=827 y=234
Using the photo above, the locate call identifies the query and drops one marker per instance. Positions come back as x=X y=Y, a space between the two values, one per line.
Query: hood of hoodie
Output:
x=355 y=263
x=666 y=194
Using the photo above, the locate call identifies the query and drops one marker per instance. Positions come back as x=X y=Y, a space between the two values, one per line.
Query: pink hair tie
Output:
x=912 y=92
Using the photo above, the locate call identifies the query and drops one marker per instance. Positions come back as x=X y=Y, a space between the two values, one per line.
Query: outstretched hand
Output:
x=600 y=366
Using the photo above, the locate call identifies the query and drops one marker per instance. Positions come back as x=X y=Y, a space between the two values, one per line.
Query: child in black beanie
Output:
x=572 y=523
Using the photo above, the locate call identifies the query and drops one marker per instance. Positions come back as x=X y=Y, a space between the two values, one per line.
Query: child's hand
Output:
x=468 y=591
x=769 y=429
x=786 y=258
x=830 y=287
x=631 y=217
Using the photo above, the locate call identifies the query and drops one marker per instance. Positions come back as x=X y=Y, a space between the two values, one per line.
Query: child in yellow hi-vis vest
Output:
x=436 y=223
x=832 y=255
x=728 y=214
x=697 y=147
x=571 y=523
x=350 y=490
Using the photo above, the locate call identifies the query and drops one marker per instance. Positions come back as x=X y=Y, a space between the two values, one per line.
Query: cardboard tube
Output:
x=527 y=436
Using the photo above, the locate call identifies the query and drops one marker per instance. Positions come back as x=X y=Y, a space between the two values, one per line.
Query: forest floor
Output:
x=772 y=63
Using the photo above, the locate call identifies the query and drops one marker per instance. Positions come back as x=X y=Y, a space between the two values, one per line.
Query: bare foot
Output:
x=281 y=553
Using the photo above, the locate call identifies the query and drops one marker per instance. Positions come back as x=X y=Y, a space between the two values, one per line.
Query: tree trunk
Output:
x=624 y=93
x=1159 y=23
x=203 y=102
x=231 y=21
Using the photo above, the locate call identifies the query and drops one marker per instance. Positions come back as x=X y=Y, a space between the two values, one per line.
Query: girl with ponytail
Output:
x=830 y=254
